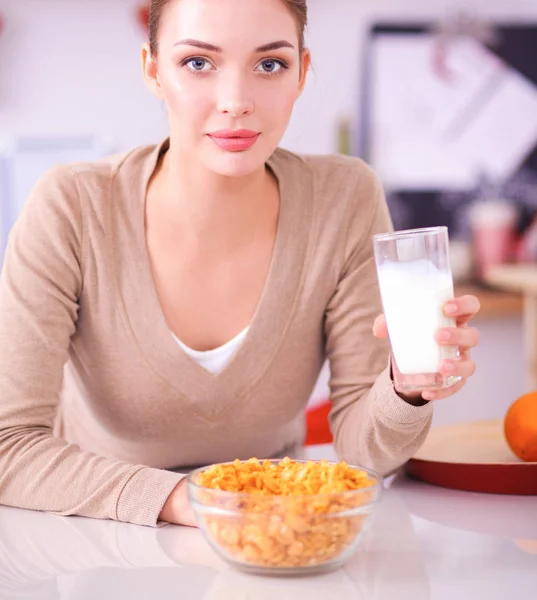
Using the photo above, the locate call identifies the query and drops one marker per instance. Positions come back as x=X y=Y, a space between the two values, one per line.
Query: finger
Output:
x=458 y=368
x=463 y=308
x=445 y=393
x=464 y=337
x=379 y=327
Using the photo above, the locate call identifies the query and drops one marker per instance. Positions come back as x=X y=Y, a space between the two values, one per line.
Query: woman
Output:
x=173 y=306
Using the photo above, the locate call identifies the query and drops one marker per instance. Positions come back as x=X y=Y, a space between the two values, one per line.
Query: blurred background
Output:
x=439 y=97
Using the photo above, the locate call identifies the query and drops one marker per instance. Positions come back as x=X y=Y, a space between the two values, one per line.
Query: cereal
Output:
x=284 y=478
x=286 y=513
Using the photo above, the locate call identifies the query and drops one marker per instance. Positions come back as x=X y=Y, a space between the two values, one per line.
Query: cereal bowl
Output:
x=296 y=517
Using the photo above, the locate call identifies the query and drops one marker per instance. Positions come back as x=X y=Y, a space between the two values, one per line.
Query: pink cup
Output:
x=493 y=229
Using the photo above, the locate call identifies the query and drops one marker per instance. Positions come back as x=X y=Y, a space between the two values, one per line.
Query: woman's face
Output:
x=227 y=68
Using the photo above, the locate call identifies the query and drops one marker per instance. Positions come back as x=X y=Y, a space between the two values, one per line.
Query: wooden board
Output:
x=522 y=279
x=518 y=278
x=473 y=457
x=494 y=303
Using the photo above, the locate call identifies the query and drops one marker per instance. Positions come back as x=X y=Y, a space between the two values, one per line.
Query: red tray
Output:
x=473 y=457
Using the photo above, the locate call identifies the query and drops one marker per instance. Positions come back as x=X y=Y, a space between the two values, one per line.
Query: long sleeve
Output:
x=40 y=288
x=372 y=425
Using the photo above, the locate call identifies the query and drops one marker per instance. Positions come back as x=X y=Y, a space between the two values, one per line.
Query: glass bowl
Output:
x=284 y=535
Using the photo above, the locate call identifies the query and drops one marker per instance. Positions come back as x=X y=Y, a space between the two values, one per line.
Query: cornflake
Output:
x=286 y=478
x=288 y=513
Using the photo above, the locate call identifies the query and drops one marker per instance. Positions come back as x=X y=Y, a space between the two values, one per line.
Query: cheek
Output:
x=277 y=103
x=184 y=99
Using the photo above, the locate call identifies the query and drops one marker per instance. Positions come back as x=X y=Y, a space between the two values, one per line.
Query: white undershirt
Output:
x=215 y=360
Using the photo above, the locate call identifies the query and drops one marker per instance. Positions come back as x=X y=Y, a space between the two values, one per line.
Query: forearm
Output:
x=42 y=472
x=378 y=429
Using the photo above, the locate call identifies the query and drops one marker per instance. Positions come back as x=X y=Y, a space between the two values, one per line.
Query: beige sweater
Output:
x=97 y=400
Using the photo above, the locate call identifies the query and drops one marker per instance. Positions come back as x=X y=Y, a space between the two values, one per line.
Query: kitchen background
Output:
x=71 y=88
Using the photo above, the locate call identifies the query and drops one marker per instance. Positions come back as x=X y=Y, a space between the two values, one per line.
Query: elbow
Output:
x=379 y=449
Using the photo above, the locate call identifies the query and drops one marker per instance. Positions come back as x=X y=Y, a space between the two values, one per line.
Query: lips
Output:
x=229 y=134
x=237 y=140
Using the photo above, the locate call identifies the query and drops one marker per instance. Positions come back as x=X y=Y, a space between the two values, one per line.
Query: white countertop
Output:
x=426 y=543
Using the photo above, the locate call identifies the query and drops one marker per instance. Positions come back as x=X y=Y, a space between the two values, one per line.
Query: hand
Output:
x=461 y=309
x=177 y=508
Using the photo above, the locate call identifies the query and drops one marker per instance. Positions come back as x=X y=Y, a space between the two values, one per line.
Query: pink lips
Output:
x=237 y=140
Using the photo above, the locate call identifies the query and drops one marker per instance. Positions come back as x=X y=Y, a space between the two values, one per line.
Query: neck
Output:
x=214 y=213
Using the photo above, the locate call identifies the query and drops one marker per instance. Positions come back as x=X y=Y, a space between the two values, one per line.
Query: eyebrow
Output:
x=211 y=48
x=275 y=46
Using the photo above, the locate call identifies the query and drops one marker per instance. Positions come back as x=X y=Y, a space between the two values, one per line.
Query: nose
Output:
x=235 y=97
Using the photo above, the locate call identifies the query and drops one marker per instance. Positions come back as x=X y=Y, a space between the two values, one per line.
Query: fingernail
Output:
x=450 y=309
x=444 y=335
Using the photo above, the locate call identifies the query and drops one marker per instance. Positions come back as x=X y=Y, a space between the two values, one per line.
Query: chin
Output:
x=236 y=164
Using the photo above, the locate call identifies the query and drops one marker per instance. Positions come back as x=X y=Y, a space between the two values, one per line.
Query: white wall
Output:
x=72 y=66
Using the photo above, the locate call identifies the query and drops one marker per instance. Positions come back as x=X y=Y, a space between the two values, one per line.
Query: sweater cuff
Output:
x=144 y=495
x=395 y=408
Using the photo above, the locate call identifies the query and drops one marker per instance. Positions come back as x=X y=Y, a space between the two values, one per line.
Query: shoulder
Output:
x=68 y=198
x=336 y=175
x=340 y=170
x=347 y=195
x=73 y=187
x=100 y=174
x=344 y=188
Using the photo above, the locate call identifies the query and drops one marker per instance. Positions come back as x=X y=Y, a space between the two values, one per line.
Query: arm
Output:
x=39 y=291
x=372 y=425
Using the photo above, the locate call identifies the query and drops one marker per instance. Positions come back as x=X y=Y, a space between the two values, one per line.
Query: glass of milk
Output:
x=415 y=282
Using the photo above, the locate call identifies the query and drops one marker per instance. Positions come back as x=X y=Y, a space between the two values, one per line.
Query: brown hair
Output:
x=299 y=9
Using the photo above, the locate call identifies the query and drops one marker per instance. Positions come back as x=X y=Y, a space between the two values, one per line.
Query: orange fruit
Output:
x=520 y=427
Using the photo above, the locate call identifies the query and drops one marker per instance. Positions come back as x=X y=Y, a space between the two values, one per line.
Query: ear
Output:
x=150 y=72
x=305 y=63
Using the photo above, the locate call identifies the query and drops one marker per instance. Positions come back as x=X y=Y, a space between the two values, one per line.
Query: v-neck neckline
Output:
x=210 y=394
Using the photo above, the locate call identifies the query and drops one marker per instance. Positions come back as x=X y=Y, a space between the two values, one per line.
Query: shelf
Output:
x=517 y=278
x=494 y=303
x=522 y=279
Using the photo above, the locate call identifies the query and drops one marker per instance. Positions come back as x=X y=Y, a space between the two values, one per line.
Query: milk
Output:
x=413 y=295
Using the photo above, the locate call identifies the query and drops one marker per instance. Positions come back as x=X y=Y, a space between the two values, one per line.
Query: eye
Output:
x=271 y=65
x=197 y=64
